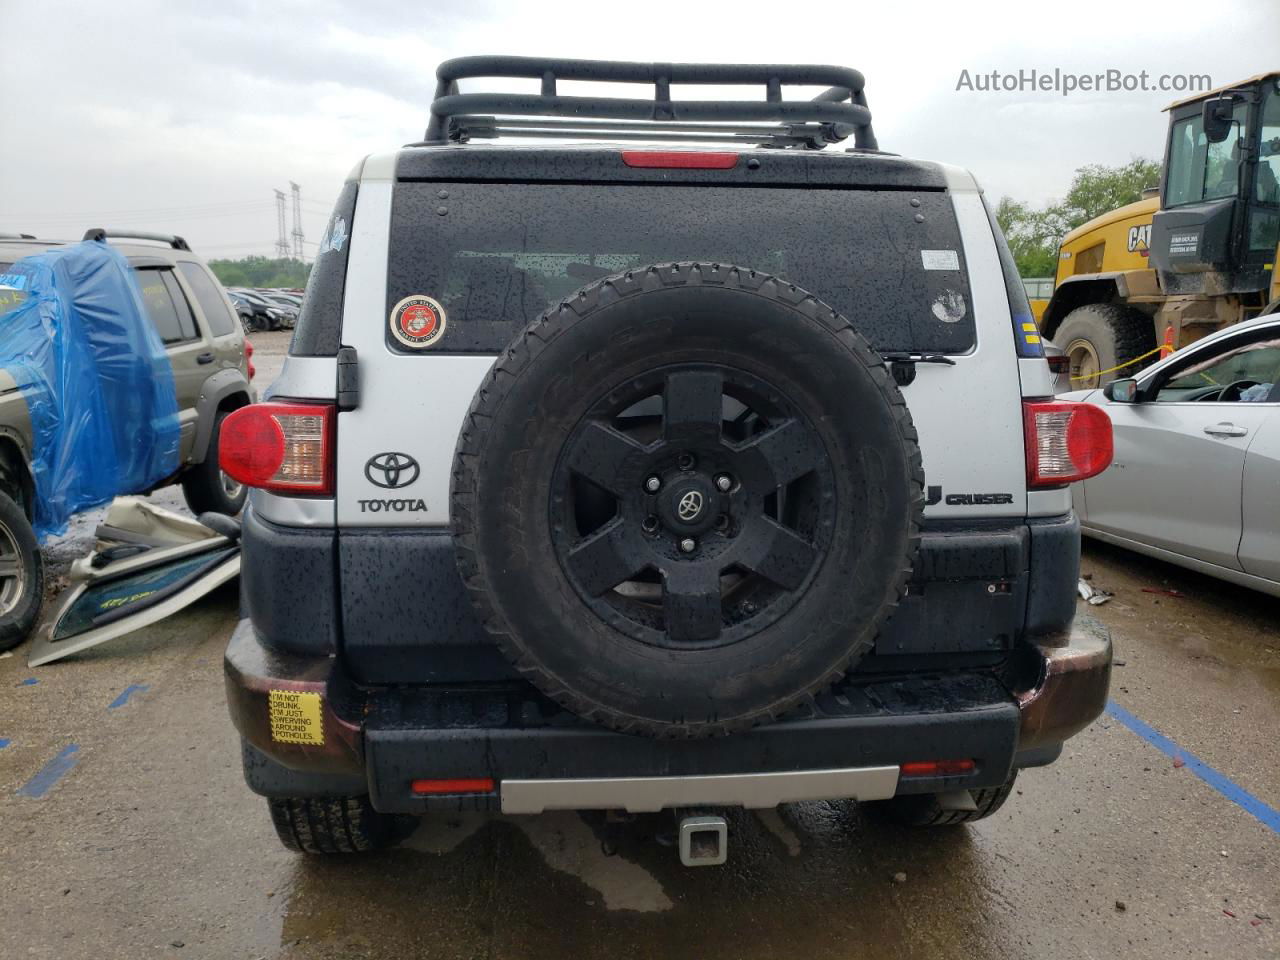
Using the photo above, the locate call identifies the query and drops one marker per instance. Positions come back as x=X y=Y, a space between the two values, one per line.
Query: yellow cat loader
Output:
x=1169 y=269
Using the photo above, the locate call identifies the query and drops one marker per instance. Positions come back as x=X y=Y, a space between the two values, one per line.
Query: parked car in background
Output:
x=287 y=307
x=288 y=300
x=262 y=315
x=209 y=357
x=1196 y=476
x=246 y=312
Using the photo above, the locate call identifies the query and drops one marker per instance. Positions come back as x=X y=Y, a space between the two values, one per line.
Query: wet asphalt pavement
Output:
x=144 y=841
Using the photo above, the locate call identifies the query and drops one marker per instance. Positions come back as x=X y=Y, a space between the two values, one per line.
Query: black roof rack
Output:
x=835 y=114
x=101 y=233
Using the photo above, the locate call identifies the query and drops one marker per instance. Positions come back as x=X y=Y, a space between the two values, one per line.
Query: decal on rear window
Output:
x=417 y=322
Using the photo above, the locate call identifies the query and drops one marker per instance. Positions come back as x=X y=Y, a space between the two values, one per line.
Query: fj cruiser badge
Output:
x=417 y=322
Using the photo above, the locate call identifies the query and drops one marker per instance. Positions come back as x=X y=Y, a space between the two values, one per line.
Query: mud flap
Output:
x=132 y=581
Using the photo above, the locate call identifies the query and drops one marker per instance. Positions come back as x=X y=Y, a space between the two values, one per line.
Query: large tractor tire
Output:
x=686 y=498
x=1099 y=337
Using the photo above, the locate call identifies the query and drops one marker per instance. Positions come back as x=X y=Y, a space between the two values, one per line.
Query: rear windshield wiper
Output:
x=903 y=365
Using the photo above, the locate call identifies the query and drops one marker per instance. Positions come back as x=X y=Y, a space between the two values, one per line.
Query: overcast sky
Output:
x=183 y=117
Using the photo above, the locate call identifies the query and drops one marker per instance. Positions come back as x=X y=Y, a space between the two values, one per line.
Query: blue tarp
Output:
x=96 y=379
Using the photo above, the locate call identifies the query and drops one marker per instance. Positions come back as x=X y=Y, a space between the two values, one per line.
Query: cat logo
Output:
x=1140 y=239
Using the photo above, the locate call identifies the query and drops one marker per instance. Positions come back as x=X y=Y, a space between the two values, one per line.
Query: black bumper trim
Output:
x=966 y=716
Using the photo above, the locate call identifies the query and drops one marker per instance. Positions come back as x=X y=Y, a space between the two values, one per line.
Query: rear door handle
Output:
x=208 y=358
x=1225 y=430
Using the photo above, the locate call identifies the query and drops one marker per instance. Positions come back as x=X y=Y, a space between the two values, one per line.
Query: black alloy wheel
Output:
x=692 y=506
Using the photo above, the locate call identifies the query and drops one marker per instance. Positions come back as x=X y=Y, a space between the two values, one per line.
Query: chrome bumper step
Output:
x=650 y=794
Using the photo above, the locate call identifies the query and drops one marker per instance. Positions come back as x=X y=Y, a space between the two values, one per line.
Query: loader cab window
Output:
x=1264 y=217
x=1199 y=170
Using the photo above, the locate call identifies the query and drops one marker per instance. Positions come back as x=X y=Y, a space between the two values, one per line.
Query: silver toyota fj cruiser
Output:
x=722 y=470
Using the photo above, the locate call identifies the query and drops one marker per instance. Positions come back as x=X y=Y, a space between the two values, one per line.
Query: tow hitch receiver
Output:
x=704 y=841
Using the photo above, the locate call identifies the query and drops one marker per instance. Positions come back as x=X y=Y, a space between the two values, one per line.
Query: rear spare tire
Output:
x=686 y=498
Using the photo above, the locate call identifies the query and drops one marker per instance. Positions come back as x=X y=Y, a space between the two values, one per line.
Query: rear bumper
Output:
x=329 y=736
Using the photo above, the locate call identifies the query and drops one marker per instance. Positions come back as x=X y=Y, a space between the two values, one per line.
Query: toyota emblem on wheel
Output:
x=391 y=470
x=690 y=506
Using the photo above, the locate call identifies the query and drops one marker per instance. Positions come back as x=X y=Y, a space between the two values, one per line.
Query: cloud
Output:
x=185 y=116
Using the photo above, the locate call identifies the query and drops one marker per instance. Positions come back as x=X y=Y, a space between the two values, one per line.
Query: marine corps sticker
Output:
x=417 y=322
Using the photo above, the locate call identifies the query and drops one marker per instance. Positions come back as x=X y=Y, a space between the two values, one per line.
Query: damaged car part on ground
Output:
x=686 y=553
x=148 y=564
x=118 y=362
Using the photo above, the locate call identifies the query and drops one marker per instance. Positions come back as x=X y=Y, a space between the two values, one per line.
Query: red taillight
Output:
x=936 y=768
x=435 y=788
x=1059 y=363
x=248 y=358
x=1066 y=442
x=677 y=160
x=285 y=447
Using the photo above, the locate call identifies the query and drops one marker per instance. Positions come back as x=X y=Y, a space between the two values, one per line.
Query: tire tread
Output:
x=537 y=336
x=333 y=825
x=923 y=810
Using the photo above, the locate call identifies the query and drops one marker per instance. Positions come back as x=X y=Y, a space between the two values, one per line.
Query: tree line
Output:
x=256 y=271
x=1034 y=235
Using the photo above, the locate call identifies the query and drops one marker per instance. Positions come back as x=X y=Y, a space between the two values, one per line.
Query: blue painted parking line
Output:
x=126 y=693
x=4 y=742
x=51 y=773
x=1268 y=815
x=29 y=682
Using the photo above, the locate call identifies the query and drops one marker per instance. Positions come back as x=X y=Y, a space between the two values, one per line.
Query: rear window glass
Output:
x=1026 y=335
x=171 y=318
x=10 y=299
x=496 y=255
x=12 y=288
x=215 y=310
x=320 y=319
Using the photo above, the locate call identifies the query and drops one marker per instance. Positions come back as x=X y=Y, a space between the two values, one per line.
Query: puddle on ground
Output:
x=812 y=879
x=1215 y=623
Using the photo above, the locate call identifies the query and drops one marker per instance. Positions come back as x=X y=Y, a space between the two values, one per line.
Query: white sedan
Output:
x=1196 y=475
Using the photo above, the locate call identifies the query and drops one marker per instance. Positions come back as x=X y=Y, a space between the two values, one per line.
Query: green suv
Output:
x=211 y=366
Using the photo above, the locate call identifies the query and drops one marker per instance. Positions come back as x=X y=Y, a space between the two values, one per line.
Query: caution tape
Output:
x=1128 y=363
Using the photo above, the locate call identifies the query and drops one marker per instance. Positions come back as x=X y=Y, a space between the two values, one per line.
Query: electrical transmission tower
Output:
x=297 y=219
x=282 y=241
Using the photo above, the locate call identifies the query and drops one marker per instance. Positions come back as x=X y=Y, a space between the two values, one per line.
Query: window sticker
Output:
x=417 y=322
x=940 y=259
